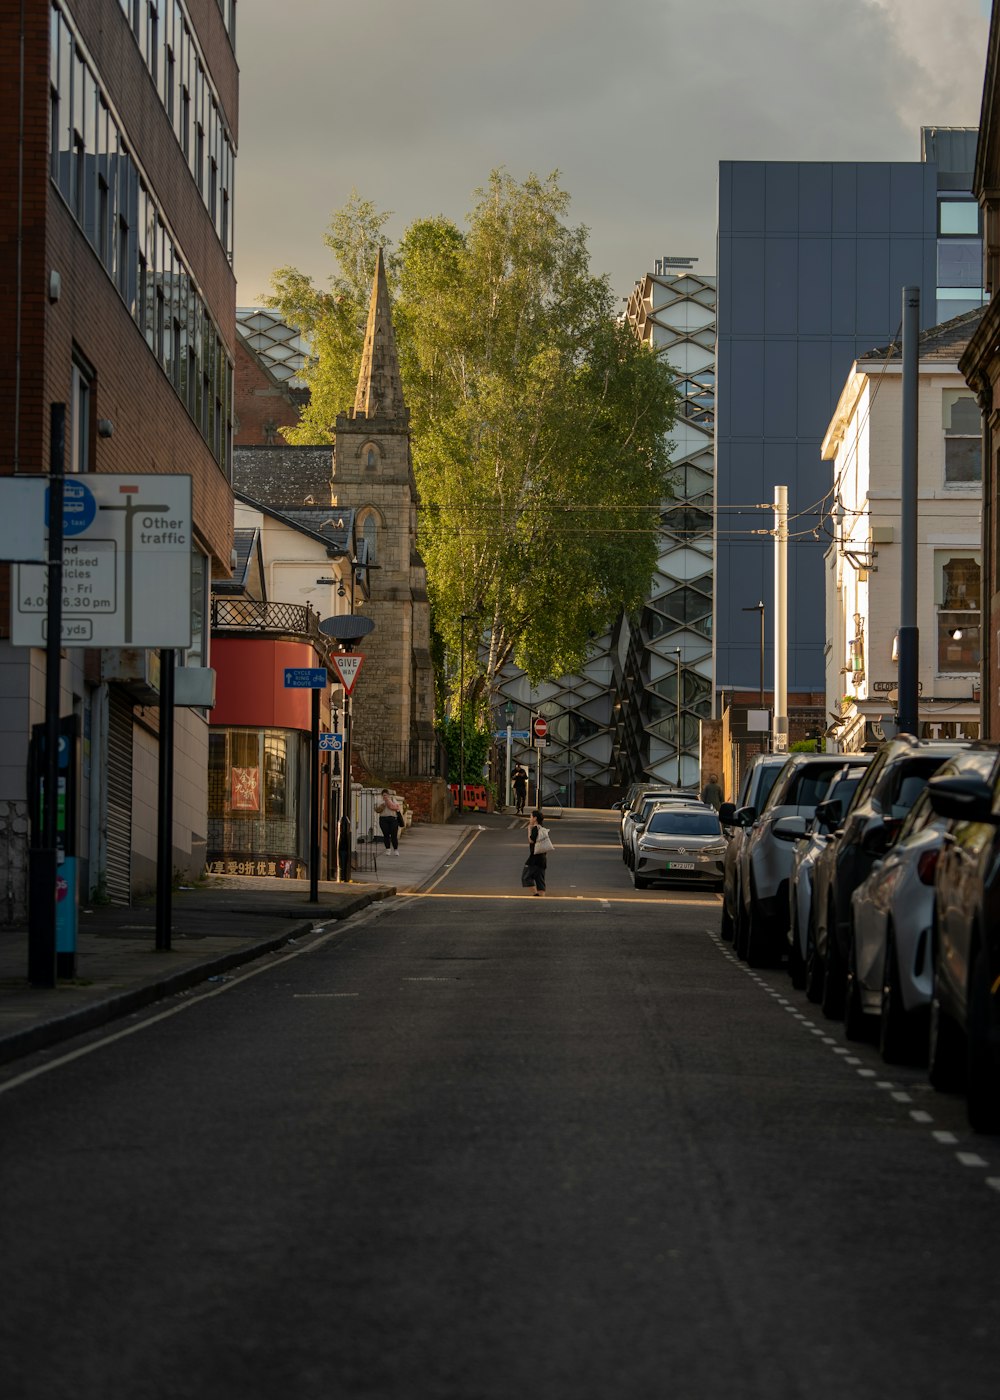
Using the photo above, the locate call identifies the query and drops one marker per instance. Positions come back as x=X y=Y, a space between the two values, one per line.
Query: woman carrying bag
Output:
x=539 y=846
x=390 y=819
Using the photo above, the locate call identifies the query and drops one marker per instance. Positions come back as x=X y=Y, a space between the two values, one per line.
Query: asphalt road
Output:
x=481 y=1146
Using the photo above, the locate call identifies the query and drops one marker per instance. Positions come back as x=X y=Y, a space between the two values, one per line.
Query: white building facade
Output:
x=864 y=559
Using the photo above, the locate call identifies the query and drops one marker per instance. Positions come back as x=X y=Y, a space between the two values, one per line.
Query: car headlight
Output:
x=714 y=851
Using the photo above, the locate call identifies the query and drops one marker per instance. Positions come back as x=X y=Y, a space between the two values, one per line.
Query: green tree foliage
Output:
x=539 y=421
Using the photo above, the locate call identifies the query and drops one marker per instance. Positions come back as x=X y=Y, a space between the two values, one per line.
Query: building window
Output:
x=958 y=595
x=196 y=654
x=370 y=535
x=81 y=411
x=963 y=443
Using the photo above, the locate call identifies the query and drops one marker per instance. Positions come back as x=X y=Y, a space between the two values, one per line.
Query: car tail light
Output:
x=926 y=865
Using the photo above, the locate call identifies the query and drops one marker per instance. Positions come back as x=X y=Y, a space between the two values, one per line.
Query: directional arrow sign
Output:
x=347 y=668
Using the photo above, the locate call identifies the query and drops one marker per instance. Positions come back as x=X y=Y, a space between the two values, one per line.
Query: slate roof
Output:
x=943 y=343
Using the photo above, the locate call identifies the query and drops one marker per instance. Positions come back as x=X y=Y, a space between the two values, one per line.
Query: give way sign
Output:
x=347 y=668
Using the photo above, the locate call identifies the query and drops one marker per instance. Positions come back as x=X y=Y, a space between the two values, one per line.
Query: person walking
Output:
x=539 y=846
x=520 y=780
x=711 y=793
x=390 y=819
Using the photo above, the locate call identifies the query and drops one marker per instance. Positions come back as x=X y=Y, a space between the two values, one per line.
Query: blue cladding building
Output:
x=812 y=260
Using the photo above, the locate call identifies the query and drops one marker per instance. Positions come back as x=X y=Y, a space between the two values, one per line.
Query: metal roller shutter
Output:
x=119 y=796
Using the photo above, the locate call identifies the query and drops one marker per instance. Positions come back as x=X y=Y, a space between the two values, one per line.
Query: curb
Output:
x=87 y=1018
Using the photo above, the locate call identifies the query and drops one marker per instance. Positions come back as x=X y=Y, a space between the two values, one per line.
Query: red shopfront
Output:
x=259 y=760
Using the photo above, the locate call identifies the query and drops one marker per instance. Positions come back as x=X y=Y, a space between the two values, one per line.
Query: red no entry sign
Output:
x=540 y=726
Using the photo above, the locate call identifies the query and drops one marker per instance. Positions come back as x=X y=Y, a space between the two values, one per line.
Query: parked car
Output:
x=765 y=862
x=965 y=1002
x=893 y=782
x=629 y=809
x=758 y=780
x=680 y=842
x=828 y=815
x=636 y=821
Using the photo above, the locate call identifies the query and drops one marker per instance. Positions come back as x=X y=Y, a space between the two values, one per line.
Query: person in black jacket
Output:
x=537 y=860
x=519 y=778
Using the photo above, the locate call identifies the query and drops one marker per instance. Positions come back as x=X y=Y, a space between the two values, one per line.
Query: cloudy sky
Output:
x=413 y=102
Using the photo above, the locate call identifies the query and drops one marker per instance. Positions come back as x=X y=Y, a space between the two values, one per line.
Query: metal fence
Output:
x=366 y=837
x=416 y=758
x=250 y=615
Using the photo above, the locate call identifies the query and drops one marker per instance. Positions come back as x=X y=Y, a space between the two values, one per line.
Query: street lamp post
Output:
x=677 y=658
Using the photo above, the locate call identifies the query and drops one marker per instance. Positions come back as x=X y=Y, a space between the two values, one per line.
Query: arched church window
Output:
x=371 y=461
x=370 y=532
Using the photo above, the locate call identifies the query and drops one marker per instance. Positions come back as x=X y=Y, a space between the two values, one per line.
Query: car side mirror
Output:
x=727 y=814
x=745 y=816
x=829 y=813
x=962 y=797
x=880 y=835
x=792 y=828
x=616 y=806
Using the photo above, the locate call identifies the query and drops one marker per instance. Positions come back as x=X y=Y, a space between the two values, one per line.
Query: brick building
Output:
x=119 y=122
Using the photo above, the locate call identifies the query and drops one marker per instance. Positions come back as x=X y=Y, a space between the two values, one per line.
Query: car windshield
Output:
x=681 y=823
x=910 y=782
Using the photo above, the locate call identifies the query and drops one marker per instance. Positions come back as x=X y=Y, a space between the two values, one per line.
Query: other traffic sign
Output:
x=331 y=743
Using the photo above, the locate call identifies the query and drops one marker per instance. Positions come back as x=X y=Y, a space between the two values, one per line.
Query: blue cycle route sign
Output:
x=331 y=743
x=79 y=507
x=306 y=677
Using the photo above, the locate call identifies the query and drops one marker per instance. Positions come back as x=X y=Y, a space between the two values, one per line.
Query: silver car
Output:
x=891 y=968
x=636 y=823
x=758 y=780
x=680 y=843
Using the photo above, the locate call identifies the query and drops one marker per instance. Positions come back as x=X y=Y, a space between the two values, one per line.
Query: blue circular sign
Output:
x=79 y=507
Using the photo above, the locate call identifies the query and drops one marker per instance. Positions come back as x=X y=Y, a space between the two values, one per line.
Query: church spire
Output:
x=380 y=389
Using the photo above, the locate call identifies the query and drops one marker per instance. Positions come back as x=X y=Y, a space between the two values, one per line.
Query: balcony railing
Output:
x=248 y=615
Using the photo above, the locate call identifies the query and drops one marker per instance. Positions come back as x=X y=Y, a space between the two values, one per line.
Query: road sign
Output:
x=540 y=726
x=347 y=668
x=79 y=507
x=522 y=735
x=22 y=519
x=331 y=743
x=305 y=678
x=126 y=566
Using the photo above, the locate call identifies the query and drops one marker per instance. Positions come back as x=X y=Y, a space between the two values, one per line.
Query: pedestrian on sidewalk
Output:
x=539 y=845
x=390 y=819
x=520 y=780
x=711 y=793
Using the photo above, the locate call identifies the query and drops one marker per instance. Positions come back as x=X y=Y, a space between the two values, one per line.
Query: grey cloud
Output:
x=635 y=102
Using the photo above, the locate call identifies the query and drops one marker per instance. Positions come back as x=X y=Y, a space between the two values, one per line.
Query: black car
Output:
x=895 y=779
x=965 y=1001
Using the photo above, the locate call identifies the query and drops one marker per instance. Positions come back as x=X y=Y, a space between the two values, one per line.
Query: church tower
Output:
x=373 y=472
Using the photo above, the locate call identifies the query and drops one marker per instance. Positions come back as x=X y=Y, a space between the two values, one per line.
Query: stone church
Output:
x=371 y=471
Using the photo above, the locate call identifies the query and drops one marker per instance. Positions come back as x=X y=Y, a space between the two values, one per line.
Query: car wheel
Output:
x=727 y=930
x=982 y=1086
x=945 y=1057
x=855 y=1021
x=899 y=1042
x=834 y=972
x=740 y=929
x=796 y=962
x=814 y=965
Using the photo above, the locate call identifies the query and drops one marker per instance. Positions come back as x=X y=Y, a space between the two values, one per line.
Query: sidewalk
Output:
x=222 y=923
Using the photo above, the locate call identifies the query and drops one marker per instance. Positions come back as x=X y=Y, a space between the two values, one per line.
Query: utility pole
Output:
x=909 y=633
x=780 y=724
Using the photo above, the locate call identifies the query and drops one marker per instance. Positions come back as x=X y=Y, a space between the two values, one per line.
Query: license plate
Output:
x=680 y=864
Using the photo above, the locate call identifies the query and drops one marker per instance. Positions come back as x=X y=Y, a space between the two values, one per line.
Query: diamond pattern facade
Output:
x=618 y=719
